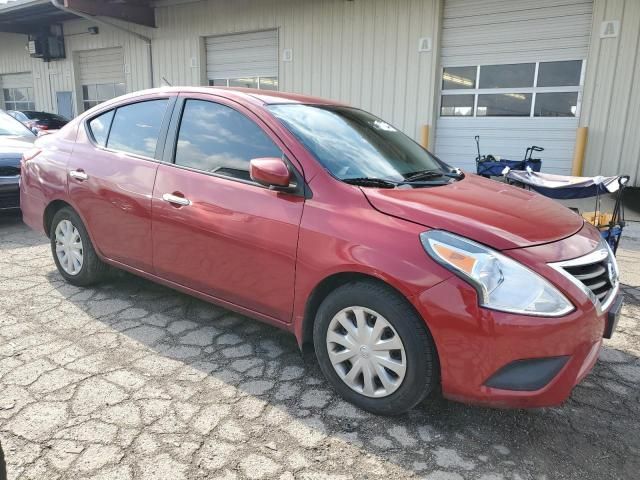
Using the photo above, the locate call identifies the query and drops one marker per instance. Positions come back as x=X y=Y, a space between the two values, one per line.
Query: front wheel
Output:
x=73 y=251
x=374 y=348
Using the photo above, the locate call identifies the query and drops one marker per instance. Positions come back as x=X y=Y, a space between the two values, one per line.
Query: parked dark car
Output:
x=39 y=121
x=403 y=273
x=15 y=139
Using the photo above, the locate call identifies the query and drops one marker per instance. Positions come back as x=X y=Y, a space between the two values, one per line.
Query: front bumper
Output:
x=475 y=344
x=10 y=192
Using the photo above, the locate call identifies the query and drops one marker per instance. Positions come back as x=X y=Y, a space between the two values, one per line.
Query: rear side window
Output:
x=215 y=138
x=136 y=127
x=99 y=127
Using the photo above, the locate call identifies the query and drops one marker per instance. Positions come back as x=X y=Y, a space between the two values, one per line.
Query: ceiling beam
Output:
x=134 y=13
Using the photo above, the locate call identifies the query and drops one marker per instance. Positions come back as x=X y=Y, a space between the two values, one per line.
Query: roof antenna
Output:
x=167 y=82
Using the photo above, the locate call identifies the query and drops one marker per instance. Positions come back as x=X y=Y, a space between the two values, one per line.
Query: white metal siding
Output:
x=101 y=66
x=364 y=53
x=243 y=55
x=481 y=32
x=612 y=93
x=16 y=80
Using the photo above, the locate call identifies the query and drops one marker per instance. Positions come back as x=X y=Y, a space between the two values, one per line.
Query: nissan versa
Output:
x=404 y=274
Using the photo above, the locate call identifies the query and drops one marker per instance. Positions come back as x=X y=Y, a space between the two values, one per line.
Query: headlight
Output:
x=502 y=283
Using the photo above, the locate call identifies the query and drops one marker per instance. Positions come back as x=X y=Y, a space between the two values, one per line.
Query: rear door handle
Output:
x=170 y=198
x=78 y=175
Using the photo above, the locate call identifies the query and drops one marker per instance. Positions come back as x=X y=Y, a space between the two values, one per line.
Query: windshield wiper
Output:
x=371 y=182
x=424 y=174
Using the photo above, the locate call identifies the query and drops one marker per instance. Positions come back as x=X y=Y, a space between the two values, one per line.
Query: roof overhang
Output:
x=32 y=16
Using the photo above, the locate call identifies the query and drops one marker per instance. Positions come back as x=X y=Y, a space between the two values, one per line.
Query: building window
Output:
x=263 y=83
x=95 y=94
x=20 y=98
x=543 y=89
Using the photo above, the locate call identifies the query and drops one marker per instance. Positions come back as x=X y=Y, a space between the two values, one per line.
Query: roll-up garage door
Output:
x=243 y=60
x=17 y=91
x=512 y=73
x=101 y=75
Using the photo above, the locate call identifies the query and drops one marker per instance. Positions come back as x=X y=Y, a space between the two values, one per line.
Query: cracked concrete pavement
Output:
x=131 y=380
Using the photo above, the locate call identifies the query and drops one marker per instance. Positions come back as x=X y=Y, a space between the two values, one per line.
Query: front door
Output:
x=111 y=175
x=225 y=235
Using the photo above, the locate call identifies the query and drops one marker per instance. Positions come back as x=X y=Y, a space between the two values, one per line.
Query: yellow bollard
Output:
x=578 y=154
x=424 y=136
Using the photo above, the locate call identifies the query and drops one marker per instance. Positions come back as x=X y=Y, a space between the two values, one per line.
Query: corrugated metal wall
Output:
x=364 y=53
x=612 y=93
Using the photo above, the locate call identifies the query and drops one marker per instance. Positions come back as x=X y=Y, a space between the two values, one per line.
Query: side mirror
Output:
x=270 y=172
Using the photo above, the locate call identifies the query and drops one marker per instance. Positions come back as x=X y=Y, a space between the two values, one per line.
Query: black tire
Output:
x=93 y=269
x=421 y=375
x=3 y=465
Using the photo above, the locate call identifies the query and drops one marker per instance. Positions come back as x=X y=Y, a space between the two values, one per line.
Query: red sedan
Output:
x=402 y=273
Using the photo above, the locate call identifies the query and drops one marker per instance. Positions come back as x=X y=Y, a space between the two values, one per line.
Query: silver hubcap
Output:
x=366 y=352
x=69 y=247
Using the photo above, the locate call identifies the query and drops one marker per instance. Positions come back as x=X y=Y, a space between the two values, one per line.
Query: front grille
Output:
x=9 y=199
x=6 y=171
x=594 y=276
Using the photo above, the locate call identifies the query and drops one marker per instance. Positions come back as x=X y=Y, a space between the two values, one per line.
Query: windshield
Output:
x=9 y=126
x=353 y=144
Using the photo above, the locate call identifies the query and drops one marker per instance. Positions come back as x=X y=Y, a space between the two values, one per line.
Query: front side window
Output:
x=135 y=128
x=543 y=89
x=217 y=139
x=352 y=144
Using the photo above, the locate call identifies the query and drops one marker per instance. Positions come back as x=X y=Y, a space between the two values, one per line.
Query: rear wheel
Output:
x=374 y=348
x=73 y=251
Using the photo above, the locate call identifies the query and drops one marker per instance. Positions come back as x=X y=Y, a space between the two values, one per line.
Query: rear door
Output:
x=111 y=176
x=230 y=237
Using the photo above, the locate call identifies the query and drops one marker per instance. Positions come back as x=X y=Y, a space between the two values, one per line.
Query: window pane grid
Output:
x=18 y=98
x=540 y=89
x=261 y=83
x=97 y=93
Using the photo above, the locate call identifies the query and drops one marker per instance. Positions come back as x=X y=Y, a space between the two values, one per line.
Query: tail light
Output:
x=42 y=127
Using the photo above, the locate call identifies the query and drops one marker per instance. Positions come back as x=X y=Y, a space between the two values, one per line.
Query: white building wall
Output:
x=59 y=75
x=364 y=53
x=612 y=93
x=485 y=32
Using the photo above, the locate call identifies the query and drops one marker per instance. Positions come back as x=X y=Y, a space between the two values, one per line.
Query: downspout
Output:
x=144 y=38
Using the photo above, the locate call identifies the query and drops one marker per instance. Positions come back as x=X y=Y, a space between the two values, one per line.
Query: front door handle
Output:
x=170 y=198
x=78 y=175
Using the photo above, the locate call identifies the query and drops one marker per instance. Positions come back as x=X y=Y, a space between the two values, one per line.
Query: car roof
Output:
x=253 y=95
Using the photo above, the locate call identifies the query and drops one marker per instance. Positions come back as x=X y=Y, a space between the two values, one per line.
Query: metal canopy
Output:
x=32 y=16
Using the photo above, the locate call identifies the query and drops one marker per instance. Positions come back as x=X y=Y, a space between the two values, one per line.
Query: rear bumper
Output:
x=10 y=192
x=504 y=360
x=32 y=211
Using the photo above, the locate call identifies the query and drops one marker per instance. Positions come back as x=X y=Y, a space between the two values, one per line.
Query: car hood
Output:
x=493 y=213
x=12 y=148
